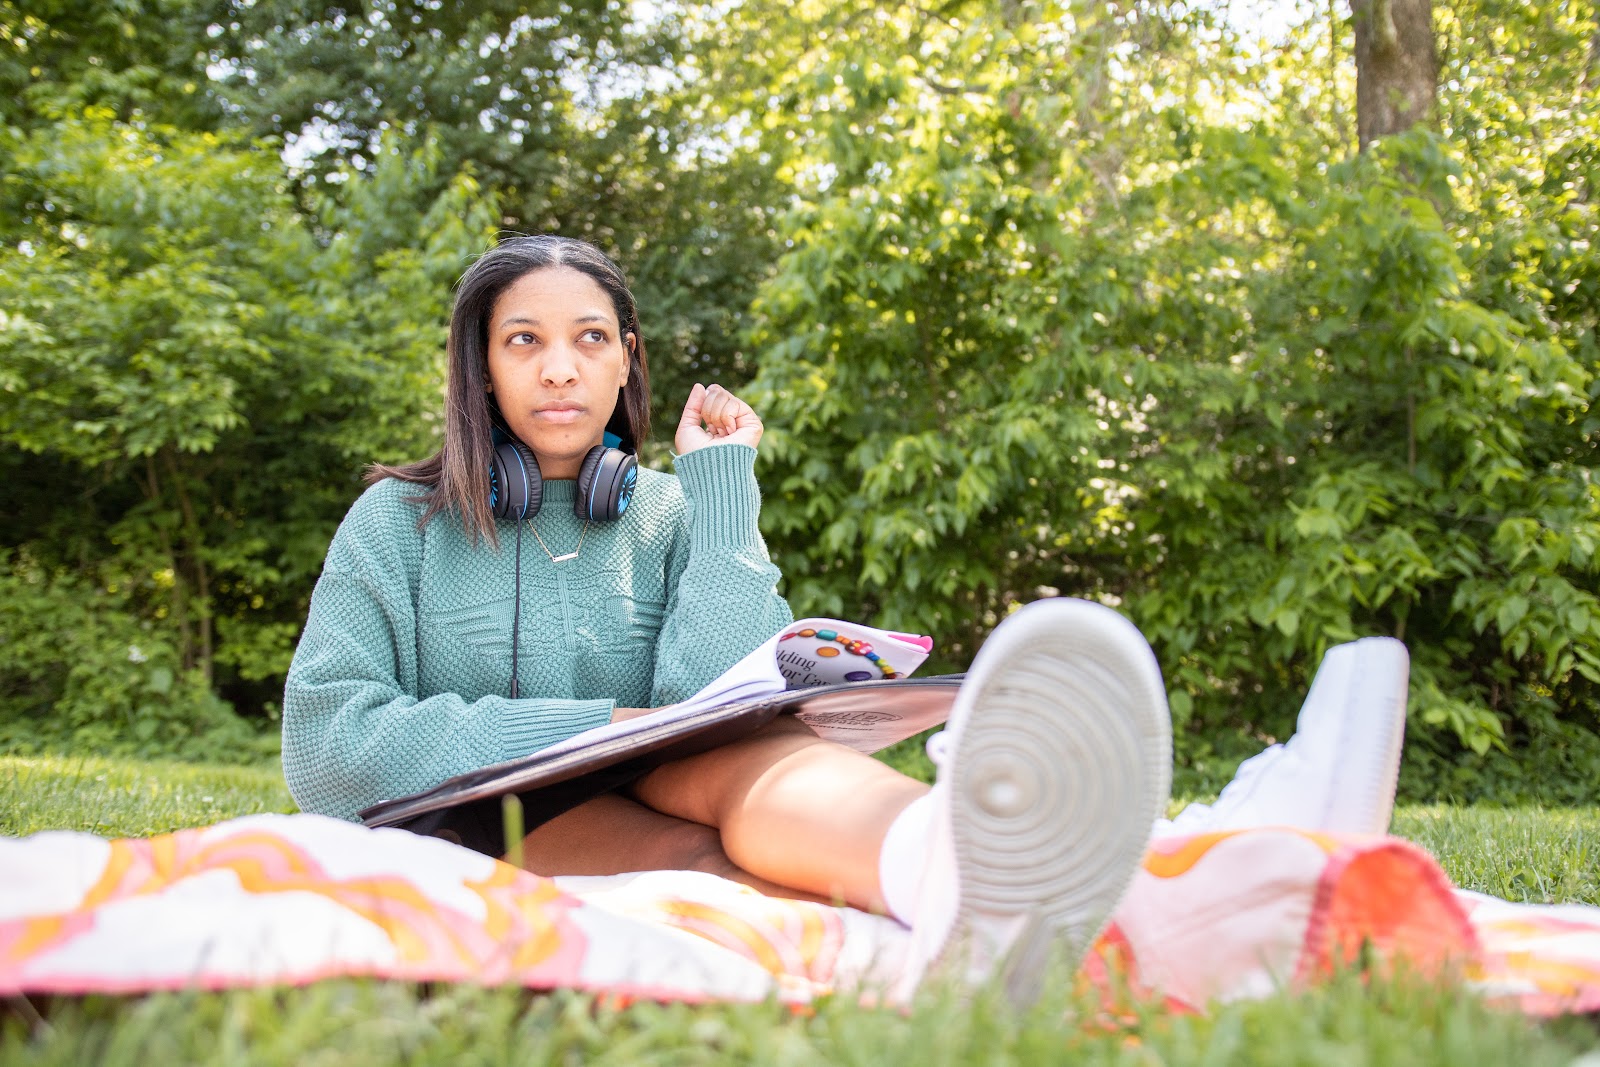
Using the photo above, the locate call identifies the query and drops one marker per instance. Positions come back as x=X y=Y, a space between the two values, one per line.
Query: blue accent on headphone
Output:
x=625 y=494
x=611 y=440
x=524 y=469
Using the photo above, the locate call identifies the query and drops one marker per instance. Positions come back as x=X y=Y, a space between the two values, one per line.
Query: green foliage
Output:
x=210 y=372
x=1262 y=397
x=1437 y=491
x=492 y=80
x=82 y=674
x=59 y=56
x=1553 y=760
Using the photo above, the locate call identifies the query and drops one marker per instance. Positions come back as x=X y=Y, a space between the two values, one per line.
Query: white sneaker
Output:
x=1057 y=758
x=1338 y=772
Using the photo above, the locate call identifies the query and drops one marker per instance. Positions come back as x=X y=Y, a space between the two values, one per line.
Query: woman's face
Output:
x=557 y=357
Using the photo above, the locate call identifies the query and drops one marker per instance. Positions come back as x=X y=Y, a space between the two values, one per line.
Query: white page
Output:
x=756 y=675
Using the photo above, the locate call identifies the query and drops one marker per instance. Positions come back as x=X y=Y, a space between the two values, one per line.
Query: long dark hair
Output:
x=458 y=474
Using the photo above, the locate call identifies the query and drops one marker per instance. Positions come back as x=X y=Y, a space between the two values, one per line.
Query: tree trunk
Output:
x=194 y=556
x=1591 y=63
x=178 y=606
x=1397 y=66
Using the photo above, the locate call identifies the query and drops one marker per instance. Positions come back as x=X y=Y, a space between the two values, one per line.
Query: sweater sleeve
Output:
x=354 y=731
x=722 y=588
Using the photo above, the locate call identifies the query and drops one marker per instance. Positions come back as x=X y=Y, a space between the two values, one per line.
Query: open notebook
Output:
x=847 y=682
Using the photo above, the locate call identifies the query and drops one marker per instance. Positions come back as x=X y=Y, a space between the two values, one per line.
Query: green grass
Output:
x=127 y=798
x=1542 y=855
x=358 y=1023
x=1521 y=854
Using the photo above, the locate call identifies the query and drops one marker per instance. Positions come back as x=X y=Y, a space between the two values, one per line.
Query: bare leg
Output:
x=613 y=835
x=791 y=808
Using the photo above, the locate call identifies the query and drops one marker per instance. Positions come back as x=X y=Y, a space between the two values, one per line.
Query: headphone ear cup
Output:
x=627 y=481
x=605 y=484
x=516 y=488
x=585 y=486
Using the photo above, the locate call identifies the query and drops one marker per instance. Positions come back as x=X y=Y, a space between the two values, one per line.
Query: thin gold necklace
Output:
x=553 y=557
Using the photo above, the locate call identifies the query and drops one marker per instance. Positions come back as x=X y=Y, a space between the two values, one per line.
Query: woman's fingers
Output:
x=717 y=414
x=740 y=421
x=714 y=414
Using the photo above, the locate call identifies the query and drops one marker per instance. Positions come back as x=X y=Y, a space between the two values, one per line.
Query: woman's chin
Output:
x=561 y=459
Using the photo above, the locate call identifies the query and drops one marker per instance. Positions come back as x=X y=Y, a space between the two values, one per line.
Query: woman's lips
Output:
x=559 y=416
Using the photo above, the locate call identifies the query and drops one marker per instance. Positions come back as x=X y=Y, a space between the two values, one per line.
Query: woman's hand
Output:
x=715 y=416
x=621 y=714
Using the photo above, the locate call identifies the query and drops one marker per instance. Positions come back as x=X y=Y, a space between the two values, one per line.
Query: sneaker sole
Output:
x=1376 y=674
x=1054 y=786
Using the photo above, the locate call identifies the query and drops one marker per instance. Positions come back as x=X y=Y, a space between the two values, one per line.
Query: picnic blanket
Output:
x=275 y=899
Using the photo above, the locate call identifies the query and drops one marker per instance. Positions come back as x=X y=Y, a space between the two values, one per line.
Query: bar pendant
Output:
x=563 y=559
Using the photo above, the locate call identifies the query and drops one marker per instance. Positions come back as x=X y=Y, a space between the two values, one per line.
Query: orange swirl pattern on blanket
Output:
x=289 y=899
x=1175 y=857
x=783 y=937
x=1544 y=960
x=515 y=930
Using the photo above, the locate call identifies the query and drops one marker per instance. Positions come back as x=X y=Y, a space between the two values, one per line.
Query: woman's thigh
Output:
x=613 y=835
x=783 y=770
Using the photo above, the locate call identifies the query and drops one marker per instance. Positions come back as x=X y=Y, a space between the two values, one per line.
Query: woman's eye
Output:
x=595 y=336
x=520 y=339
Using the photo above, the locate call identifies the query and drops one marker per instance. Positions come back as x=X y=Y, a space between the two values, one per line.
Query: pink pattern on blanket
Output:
x=244 y=904
x=290 y=899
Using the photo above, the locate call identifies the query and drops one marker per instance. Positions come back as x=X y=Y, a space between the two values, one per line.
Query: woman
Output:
x=429 y=623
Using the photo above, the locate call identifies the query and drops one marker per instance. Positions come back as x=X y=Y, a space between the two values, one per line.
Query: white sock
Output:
x=903 y=858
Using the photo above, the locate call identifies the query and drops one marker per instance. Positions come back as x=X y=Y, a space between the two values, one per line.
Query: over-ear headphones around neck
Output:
x=606 y=480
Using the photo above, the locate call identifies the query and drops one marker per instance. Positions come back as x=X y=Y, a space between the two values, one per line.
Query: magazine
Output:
x=807 y=653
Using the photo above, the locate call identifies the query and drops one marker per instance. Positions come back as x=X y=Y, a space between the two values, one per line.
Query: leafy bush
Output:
x=83 y=674
x=192 y=377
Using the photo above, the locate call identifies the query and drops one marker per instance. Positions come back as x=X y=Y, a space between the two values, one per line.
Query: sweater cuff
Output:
x=530 y=725
x=719 y=483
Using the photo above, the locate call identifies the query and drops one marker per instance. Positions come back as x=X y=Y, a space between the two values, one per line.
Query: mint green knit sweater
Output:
x=401 y=676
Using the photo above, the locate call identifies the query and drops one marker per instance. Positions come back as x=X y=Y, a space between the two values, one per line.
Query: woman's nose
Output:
x=560 y=366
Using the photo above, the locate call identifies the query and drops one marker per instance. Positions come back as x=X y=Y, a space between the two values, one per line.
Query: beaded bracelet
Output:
x=859 y=648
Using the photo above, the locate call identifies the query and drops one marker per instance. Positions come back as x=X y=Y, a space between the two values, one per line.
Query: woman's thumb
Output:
x=691 y=409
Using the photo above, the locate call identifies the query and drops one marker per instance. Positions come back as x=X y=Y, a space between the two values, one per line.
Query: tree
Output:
x=490 y=81
x=1397 y=68
x=1055 y=297
x=60 y=55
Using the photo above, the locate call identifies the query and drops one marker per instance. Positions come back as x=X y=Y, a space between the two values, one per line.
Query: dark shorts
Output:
x=480 y=824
